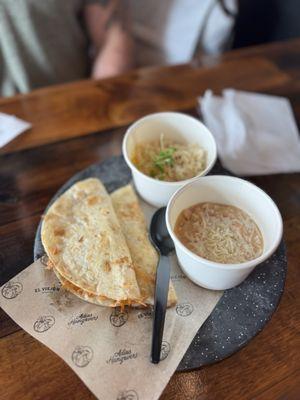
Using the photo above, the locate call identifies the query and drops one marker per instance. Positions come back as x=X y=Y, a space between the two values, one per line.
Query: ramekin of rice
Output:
x=165 y=151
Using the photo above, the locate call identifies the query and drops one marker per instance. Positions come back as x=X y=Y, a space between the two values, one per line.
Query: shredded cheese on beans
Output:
x=220 y=233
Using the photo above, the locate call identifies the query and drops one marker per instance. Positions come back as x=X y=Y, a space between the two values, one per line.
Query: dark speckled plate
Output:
x=241 y=313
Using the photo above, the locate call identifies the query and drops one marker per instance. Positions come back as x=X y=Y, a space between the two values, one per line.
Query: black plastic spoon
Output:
x=162 y=241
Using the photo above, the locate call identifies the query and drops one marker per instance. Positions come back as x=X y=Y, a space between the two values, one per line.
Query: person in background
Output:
x=45 y=42
x=178 y=31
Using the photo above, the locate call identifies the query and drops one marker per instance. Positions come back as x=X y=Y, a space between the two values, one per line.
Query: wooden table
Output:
x=81 y=123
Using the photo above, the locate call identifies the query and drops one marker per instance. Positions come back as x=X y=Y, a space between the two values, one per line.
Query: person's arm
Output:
x=110 y=38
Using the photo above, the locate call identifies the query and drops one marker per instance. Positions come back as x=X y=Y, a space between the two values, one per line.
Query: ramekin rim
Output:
x=166 y=183
x=239 y=266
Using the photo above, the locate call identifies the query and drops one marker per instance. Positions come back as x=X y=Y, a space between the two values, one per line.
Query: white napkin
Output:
x=256 y=134
x=11 y=127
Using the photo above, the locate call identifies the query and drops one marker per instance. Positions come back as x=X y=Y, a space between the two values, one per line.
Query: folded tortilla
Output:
x=84 y=241
x=143 y=254
x=93 y=298
x=84 y=295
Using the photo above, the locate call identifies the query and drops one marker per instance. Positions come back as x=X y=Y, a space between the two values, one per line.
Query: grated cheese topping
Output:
x=220 y=233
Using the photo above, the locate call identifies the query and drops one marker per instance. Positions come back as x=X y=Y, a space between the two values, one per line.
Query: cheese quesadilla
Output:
x=83 y=239
x=143 y=254
x=98 y=246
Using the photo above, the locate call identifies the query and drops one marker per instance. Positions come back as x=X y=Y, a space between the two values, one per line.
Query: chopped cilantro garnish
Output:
x=164 y=158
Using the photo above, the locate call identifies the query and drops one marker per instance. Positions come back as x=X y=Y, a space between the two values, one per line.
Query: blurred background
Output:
x=52 y=41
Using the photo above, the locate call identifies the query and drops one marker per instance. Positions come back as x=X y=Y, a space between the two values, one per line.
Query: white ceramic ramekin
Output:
x=177 y=126
x=232 y=191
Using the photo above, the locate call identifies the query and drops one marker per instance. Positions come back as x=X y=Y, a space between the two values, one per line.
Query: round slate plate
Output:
x=240 y=314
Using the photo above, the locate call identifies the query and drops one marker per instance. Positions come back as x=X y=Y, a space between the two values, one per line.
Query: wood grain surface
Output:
x=64 y=112
x=78 y=124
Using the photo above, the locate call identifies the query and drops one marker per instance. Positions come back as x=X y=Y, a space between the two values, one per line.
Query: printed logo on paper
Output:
x=44 y=323
x=177 y=277
x=47 y=289
x=11 y=290
x=82 y=318
x=128 y=395
x=118 y=318
x=147 y=314
x=165 y=350
x=121 y=356
x=184 y=309
x=44 y=260
x=82 y=356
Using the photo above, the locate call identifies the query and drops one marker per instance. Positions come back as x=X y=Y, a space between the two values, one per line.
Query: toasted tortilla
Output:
x=82 y=294
x=88 y=296
x=143 y=254
x=83 y=239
